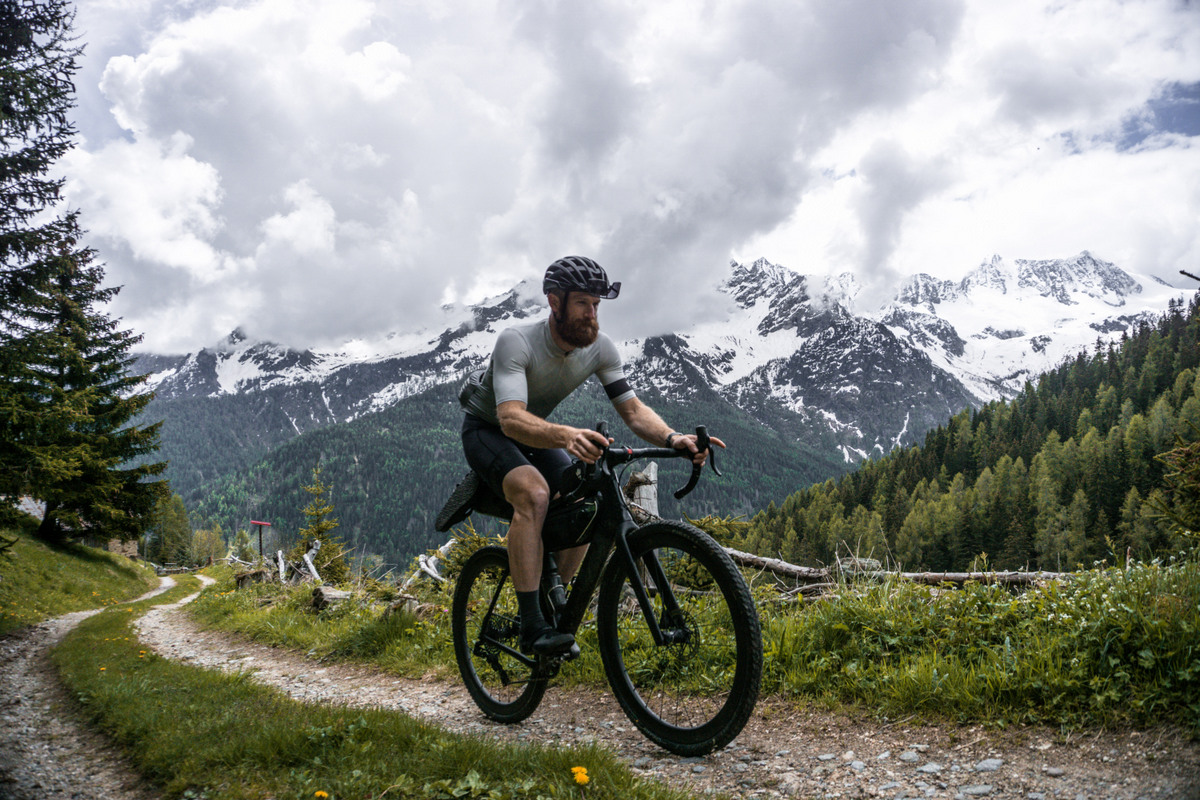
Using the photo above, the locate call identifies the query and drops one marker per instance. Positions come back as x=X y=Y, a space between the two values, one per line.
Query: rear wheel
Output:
x=692 y=693
x=486 y=622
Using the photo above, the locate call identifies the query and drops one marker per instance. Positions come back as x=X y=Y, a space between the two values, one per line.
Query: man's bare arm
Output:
x=529 y=429
x=646 y=423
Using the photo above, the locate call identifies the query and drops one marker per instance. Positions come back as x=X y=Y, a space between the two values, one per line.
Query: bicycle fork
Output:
x=671 y=629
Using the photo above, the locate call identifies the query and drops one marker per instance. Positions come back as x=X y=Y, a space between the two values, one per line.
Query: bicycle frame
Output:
x=615 y=524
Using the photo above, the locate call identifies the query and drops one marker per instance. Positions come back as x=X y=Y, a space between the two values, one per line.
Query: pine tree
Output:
x=170 y=534
x=331 y=558
x=66 y=398
x=84 y=452
x=37 y=60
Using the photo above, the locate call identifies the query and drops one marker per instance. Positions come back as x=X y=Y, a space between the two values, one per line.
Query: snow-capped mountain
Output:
x=870 y=378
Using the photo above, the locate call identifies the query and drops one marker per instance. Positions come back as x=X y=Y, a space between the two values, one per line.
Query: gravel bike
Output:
x=676 y=626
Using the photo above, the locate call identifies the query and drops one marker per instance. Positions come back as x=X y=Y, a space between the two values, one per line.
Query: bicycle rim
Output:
x=694 y=694
x=486 y=627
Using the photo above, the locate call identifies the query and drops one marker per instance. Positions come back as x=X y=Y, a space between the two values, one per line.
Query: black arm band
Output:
x=671 y=436
x=617 y=388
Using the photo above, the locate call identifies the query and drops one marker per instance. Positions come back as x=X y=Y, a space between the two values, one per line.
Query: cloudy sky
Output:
x=315 y=170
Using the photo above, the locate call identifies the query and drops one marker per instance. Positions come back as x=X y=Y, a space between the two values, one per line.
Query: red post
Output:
x=260 y=527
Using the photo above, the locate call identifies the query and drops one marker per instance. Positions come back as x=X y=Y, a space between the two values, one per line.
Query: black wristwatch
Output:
x=671 y=436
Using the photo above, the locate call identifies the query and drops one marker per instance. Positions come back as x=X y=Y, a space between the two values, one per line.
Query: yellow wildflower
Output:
x=581 y=776
x=321 y=795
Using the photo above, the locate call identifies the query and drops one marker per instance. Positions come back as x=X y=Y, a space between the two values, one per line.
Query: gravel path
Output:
x=786 y=750
x=45 y=754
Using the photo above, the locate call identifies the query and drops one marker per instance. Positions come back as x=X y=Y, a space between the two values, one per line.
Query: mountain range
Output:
x=830 y=379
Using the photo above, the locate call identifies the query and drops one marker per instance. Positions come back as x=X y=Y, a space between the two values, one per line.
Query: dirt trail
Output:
x=786 y=750
x=45 y=754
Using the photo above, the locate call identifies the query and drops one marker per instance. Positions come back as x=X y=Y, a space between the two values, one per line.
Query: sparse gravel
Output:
x=787 y=750
x=45 y=754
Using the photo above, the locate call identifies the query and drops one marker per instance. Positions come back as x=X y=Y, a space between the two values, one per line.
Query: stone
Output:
x=932 y=768
x=1055 y=772
x=979 y=790
x=909 y=757
x=989 y=765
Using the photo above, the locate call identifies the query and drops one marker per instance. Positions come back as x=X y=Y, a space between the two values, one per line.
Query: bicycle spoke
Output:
x=487 y=629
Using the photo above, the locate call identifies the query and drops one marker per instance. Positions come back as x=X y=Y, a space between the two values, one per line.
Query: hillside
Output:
x=1066 y=473
x=392 y=471
x=38 y=581
x=803 y=355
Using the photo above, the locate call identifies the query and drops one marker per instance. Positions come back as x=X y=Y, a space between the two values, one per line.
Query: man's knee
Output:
x=527 y=491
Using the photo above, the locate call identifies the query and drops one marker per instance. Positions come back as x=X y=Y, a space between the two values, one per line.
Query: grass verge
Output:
x=1107 y=647
x=204 y=734
x=38 y=582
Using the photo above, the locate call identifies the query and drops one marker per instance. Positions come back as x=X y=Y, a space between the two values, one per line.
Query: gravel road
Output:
x=787 y=750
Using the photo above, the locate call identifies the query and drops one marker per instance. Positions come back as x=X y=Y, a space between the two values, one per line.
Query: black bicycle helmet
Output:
x=579 y=274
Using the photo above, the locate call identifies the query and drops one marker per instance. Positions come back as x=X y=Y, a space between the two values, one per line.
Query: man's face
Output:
x=575 y=321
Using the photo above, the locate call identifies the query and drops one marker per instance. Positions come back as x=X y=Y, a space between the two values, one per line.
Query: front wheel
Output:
x=692 y=692
x=486 y=624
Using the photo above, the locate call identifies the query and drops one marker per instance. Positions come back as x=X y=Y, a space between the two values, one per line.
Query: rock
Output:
x=932 y=768
x=909 y=757
x=980 y=790
x=989 y=765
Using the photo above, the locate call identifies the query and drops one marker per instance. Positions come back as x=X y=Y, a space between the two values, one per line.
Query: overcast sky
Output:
x=315 y=170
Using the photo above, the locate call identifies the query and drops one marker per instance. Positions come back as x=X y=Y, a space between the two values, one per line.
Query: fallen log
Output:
x=244 y=579
x=324 y=597
x=779 y=567
x=997 y=578
x=823 y=576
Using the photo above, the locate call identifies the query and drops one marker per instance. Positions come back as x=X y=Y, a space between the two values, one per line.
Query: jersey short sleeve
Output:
x=611 y=372
x=509 y=362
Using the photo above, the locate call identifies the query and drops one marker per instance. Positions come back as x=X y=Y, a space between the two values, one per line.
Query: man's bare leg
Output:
x=569 y=561
x=527 y=491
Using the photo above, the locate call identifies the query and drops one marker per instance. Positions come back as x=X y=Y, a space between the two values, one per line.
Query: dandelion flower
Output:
x=321 y=795
x=581 y=776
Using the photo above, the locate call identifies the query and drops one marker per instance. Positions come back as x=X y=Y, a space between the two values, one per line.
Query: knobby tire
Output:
x=504 y=687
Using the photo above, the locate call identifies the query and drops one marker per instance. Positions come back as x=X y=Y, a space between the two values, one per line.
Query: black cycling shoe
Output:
x=546 y=641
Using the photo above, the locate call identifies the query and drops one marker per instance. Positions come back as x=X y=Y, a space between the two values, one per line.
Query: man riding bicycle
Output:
x=519 y=454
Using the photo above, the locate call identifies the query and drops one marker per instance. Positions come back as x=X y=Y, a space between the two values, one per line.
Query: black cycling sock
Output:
x=530 y=605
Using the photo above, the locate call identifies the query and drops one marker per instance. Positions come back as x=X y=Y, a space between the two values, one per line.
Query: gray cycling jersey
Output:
x=527 y=365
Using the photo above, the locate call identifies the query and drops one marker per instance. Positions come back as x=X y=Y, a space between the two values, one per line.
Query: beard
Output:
x=576 y=332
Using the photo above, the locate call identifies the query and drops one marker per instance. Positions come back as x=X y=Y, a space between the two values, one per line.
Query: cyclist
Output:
x=520 y=455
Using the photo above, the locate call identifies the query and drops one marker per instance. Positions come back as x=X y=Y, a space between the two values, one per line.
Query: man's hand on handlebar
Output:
x=588 y=445
x=688 y=441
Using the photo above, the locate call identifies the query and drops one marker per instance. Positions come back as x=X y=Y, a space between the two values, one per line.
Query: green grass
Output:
x=204 y=734
x=38 y=582
x=1108 y=647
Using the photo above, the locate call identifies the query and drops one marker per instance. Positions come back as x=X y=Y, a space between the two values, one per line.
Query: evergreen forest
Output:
x=389 y=473
x=1068 y=473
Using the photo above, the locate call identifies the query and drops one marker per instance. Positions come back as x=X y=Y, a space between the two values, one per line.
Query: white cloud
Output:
x=325 y=170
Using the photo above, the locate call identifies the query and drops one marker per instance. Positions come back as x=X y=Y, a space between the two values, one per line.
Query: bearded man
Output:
x=511 y=445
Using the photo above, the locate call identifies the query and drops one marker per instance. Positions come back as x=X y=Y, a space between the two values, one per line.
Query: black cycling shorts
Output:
x=493 y=455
